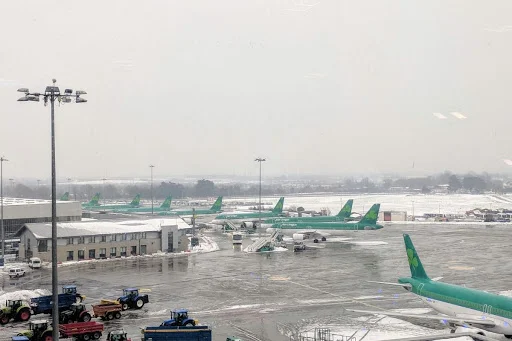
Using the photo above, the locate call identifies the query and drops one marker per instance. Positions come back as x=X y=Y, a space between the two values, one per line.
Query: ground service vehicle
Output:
x=16 y=272
x=179 y=318
x=42 y=304
x=81 y=330
x=38 y=330
x=34 y=263
x=168 y=333
x=107 y=310
x=117 y=335
x=16 y=310
x=132 y=299
x=77 y=313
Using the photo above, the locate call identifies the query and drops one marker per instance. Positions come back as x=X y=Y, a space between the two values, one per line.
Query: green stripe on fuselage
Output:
x=326 y=226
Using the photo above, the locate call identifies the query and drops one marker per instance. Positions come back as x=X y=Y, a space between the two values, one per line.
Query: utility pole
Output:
x=260 y=160
x=51 y=94
x=2 y=159
x=151 y=167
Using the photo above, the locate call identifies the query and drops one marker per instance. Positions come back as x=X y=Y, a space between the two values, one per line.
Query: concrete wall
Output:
x=42 y=209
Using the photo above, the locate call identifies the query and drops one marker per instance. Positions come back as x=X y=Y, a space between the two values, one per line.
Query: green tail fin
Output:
x=371 y=216
x=217 y=205
x=65 y=197
x=167 y=202
x=279 y=206
x=135 y=201
x=95 y=199
x=346 y=211
x=417 y=270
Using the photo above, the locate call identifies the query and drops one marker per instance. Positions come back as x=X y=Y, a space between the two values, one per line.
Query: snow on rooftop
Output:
x=98 y=227
x=25 y=201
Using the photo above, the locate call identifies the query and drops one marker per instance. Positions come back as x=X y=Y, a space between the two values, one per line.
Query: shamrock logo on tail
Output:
x=413 y=261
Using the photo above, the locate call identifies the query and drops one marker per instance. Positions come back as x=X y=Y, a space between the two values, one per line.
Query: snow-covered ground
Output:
x=431 y=203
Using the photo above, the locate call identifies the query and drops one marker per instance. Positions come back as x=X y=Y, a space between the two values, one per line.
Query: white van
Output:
x=34 y=263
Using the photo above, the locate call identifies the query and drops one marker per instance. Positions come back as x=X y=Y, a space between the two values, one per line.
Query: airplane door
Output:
x=420 y=288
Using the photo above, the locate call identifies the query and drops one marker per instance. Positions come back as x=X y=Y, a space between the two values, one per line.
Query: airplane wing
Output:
x=471 y=320
x=312 y=234
x=405 y=285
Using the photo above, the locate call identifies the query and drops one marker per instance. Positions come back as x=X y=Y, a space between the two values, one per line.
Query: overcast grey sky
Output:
x=203 y=87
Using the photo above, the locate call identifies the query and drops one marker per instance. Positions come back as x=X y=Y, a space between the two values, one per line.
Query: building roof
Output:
x=23 y=201
x=98 y=227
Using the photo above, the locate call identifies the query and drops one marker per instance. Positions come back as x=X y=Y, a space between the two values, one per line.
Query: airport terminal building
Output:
x=18 y=211
x=94 y=239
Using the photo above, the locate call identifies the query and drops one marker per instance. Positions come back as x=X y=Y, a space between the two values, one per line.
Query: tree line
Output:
x=466 y=183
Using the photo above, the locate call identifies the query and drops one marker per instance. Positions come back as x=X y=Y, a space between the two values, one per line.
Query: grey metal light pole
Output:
x=151 y=166
x=260 y=160
x=2 y=159
x=52 y=93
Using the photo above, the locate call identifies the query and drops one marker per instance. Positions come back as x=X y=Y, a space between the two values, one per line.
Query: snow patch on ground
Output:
x=24 y=295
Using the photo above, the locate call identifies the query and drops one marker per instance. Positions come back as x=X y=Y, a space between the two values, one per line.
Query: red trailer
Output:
x=82 y=330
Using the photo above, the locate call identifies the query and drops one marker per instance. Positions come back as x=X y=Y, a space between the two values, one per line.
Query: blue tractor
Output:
x=179 y=318
x=132 y=299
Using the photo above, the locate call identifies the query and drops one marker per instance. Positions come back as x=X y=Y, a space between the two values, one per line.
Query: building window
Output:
x=81 y=255
x=134 y=250
x=90 y=240
x=113 y=252
x=103 y=253
x=42 y=245
x=28 y=244
x=70 y=255
x=103 y=239
x=123 y=236
x=92 y=253
x=123 y=251
x=143 y=235
x=113 y=237
x=143 y=249
x=70 y=241
x=81 y=240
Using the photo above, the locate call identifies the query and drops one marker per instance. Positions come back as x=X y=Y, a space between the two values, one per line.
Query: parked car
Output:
x=34 y=263
x=16 y=272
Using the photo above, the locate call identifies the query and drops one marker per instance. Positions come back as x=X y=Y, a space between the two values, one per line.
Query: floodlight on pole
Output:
x=260 y=160
x=52 y=94
x=151 y=166
x=2 y=160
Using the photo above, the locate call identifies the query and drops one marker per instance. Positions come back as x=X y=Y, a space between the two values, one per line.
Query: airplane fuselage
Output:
x=238 y=218
x=326 y=227
x=461 y=302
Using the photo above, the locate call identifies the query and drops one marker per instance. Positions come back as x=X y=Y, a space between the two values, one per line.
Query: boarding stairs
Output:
x=264 y=241
x=229 y=226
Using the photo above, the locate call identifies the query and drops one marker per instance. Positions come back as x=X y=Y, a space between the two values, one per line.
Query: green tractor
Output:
x=76 y=313
x=117 y=335
x=38 y=331
x=16 y=310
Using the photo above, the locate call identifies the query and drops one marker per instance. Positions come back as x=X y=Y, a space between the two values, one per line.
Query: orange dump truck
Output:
x=107 y=310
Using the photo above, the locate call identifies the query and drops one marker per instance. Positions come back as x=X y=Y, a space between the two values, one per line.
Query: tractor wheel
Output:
x=4 y=319
x=124 y=306
x=117 y=315
x=96 y=335
x=139 y=303
x=86 y=317
x=47 y=337
x=86 y=337
x=24 y=314
x=110 y=316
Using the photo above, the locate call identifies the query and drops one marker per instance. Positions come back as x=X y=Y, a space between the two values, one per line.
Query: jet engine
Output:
x=248 y=225
x=298 y=236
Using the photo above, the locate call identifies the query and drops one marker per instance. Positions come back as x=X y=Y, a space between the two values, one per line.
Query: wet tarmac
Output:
x=272 y=295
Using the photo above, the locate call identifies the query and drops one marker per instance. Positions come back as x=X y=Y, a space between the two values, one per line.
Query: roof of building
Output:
x=97 y=227
x=24 y=201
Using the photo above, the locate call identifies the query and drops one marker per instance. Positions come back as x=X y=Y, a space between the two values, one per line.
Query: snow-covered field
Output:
x=432 y=203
